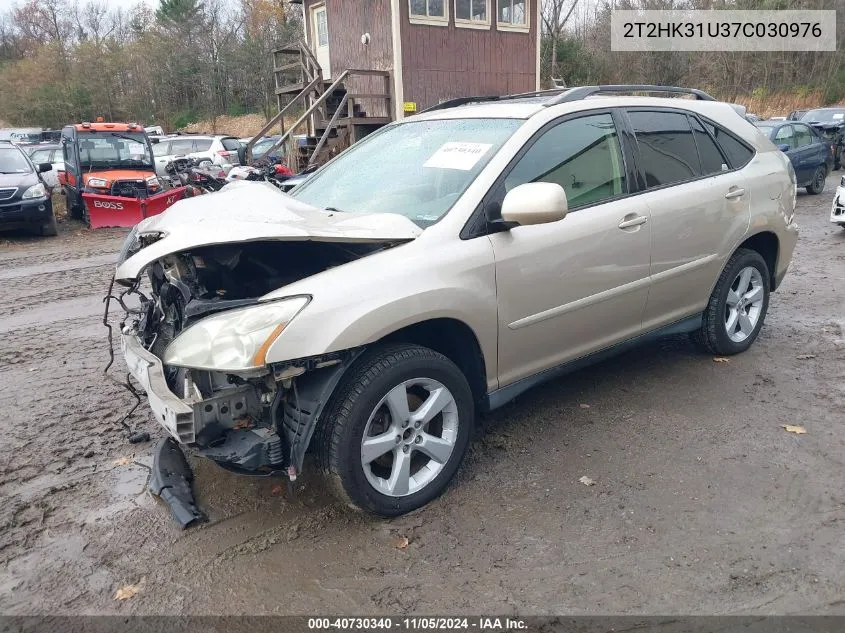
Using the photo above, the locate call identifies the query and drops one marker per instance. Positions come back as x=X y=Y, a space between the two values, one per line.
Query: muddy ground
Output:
x=703 y=503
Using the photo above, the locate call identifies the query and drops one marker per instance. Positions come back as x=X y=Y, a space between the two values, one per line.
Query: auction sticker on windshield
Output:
x=455 y=155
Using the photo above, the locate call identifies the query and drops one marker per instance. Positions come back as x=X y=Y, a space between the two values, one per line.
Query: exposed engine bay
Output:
x=258 y=421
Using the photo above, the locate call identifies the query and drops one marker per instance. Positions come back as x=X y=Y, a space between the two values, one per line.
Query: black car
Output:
x=24 y=200
x=796 y=115
x=830 y=123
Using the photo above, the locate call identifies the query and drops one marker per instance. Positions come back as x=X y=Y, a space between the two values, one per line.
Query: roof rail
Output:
x=454 y=103
x=582 y=92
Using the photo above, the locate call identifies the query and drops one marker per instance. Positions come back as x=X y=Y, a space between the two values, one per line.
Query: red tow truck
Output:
x=109 y=177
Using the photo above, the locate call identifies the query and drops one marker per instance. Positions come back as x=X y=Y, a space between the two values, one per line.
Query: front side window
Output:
x=512 y=13
x=472 y=11
x=803 y=135
x=581 y=155
x=668 y=153
x=417 y=169
x=161 y=149
x=428 y=8
x=784 y=136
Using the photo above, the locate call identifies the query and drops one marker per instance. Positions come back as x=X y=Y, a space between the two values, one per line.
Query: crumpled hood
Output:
x=245 y=211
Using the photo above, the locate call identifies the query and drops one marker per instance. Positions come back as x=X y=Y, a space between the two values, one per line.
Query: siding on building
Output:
x=348 y=20
x=445 y=62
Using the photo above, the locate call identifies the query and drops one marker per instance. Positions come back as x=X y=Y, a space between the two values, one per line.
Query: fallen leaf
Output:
x=123 y=461
x=721 y=359
x=400 y=542
x=129 y=591
x=277 y=490
x=792 y=428
x=805 y=356
x=587 y=481
x=584 y=406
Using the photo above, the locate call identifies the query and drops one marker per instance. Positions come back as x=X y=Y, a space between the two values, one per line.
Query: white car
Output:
x=48 y=153
x=220 y=150
x=837 y=212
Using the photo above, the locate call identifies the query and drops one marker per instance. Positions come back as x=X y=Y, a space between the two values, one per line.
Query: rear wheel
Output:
x=737 y=307
x=816 y=185
x=396 y=429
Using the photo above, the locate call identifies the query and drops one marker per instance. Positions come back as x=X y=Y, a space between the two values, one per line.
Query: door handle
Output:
x=735 y=193
x=634 y=221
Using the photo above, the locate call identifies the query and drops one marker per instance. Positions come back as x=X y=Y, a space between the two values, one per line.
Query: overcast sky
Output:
x=5 y=5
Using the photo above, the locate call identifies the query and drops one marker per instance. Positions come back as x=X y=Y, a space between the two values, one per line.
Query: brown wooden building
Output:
x=434 y=50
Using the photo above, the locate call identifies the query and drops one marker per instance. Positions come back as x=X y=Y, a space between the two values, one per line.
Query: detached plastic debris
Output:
x=171 y=480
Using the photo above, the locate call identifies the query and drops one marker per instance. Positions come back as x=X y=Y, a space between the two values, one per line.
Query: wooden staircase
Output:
x=334 y=113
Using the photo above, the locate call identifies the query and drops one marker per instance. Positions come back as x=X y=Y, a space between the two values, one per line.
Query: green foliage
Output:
x=574 y=64
x=184 y=118
x=179 y=12
x=237 y=109
x=804 y=91
x=760 y=93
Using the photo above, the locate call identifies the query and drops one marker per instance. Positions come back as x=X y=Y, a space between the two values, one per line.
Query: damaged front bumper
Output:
x=837 y=212
x=215 y=425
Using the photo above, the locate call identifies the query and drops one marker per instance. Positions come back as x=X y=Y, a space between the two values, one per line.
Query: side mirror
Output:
x=783 y=147
x=535 y=203
x=42 y=167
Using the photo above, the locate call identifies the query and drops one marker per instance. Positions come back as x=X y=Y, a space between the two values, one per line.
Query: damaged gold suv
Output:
x=444 y=265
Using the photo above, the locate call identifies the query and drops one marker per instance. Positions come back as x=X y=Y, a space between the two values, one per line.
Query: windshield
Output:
x=825 y=116
x=417 y=169
x=12 y=161
x=114 y=149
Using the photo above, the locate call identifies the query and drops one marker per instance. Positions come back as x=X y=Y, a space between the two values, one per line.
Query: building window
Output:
x=472 y=13
x=322 y=27
x=512 y=15
x=428 y=11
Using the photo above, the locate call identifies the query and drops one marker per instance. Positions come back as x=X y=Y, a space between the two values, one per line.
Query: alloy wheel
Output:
x=409 y=437
x=744 y=304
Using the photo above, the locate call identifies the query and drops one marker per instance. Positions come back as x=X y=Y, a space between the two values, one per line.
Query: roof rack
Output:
x=582 y=92
x=454 y=103
x=565 y=95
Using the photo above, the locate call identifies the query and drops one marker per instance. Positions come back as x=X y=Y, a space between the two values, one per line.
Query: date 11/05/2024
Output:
x=425 y=623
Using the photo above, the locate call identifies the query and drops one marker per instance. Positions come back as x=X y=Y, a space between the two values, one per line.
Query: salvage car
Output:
x=222 y=151
x=47 y=153
x=442 y=266
x=830 y=123
x=24 y=198
x=837 y=213
x=811 y=155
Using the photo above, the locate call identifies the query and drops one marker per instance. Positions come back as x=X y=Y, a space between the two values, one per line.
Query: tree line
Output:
x=74 y=60
x=64 y=60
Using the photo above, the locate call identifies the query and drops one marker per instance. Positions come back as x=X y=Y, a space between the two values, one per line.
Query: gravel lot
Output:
x=703 y=503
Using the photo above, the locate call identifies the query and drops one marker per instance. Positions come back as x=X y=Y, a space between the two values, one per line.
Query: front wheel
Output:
x=396 y=429
x=816 y=185
x=737 y=308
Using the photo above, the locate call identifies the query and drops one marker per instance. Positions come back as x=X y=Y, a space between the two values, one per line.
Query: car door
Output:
x=784 y=138
x=698 y=204
x=578 y=285
x=809 y=149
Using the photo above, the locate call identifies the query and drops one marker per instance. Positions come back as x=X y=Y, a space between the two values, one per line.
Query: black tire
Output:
x=75 y=206
x=713 y=334
x=816 y=185
x=50 y=228
x=341 y=427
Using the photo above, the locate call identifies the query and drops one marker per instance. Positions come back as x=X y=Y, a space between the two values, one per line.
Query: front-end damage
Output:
x=248 y=415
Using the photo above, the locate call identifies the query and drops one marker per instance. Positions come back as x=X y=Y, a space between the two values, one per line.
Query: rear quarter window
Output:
x=231 y=144
x=737 y=152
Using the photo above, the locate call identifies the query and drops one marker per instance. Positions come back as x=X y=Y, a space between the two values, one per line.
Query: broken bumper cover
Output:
x=171 y=480
x=211 y=423
x=176 y=416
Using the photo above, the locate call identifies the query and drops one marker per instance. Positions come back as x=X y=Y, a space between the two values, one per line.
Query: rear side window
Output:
x=231 y=144
x=182 y=146
x=737 y=152
x=712 y=161
x=668 y=153
x=202 y=144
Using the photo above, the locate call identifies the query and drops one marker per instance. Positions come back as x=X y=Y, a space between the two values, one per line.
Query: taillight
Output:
x=224 y=152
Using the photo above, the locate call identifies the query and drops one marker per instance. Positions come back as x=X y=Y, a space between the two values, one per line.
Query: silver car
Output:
x=220 y=150
x=441 y=267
